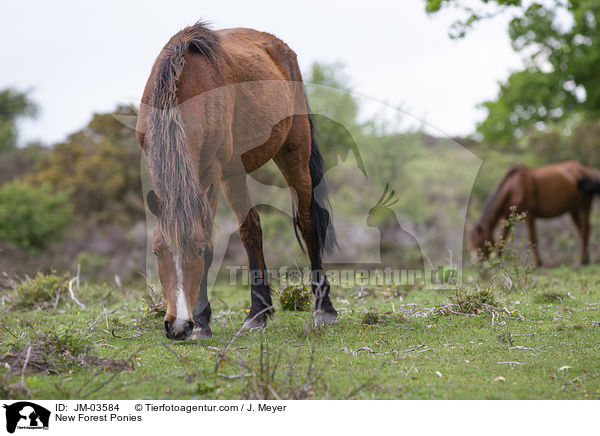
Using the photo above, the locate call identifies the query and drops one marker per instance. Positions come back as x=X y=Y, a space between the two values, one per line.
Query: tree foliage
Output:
x=560 y=43
x=100 y=167
x=335 y=111
x=13 y=105
x=32 y=216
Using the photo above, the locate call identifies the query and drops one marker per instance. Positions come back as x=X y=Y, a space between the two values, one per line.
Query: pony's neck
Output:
x=490 y=218
x=494 y=207
x=488 y=223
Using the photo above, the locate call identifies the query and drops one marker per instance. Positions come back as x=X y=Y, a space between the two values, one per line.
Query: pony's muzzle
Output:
x=179 y=333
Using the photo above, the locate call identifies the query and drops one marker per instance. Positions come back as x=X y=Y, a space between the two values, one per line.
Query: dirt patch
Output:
x=48 y=357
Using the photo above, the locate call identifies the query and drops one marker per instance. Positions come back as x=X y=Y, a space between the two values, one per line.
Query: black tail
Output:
x=588 y=186
x=320 y=207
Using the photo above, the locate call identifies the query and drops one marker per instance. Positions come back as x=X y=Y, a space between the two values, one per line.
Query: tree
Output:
x=32 y=216
x=13 y=105
x=335 y=111
x=100 y=167
x=560 y=42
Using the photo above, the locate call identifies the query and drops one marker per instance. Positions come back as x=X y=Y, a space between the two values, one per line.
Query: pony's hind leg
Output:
x=581 y=218
x=293 y=164
x=236 y=193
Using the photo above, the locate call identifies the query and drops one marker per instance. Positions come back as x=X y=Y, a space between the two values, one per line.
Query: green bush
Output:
x=296 y=298
x=32 y=216
x=371 y=317
x=100 y=168
x=41 y=291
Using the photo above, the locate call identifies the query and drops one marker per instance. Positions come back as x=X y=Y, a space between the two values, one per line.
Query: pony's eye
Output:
x=155 y=252
x=200 y=251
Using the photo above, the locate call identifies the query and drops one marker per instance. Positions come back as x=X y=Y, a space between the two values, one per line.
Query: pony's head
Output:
x=381 y=212
x=181 y=269
x=480 y=239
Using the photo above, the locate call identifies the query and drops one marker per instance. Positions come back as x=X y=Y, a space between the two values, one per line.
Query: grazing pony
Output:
x=544 y=192
x=217 y=106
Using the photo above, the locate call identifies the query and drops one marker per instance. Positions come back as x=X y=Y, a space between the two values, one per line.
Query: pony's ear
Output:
x=153 y=203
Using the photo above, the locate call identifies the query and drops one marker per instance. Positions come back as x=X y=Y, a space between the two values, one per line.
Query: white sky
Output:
x=80 y=57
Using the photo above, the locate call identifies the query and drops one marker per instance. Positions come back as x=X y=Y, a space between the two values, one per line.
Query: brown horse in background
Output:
x=544 y=192
x=217 y=106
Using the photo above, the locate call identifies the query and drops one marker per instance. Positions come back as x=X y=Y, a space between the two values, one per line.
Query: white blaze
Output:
x=182 y=315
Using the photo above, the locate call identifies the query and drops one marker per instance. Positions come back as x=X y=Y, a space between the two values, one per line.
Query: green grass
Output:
x=383 y=347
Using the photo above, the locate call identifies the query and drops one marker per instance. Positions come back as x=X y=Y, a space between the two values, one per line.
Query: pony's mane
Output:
x=183 y=204
x=490 y=203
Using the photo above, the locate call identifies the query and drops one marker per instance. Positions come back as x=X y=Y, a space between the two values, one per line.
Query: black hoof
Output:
x=323 y=317
x=255 y=322
x=201 y=332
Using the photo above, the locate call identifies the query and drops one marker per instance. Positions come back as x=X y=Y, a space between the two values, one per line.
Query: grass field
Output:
x=539 y=341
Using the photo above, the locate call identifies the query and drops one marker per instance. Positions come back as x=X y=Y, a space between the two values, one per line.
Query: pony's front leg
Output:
x=202 y=311
x=238 y=197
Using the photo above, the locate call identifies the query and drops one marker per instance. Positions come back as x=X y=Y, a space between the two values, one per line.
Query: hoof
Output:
x=322 y=317
x=252 y=323
x=200 y=333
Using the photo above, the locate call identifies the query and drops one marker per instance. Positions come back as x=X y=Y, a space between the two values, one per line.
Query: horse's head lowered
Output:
x=481 y=239
x=181 y=269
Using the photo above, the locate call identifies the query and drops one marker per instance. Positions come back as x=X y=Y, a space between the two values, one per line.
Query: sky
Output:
x=78 y=57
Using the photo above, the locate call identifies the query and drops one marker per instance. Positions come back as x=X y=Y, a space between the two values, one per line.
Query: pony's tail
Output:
x=590 y=183
x=183 y=203
x=588 y=186
x=320 y=207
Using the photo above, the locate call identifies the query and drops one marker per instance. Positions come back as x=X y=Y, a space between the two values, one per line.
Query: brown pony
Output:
x=217 y=106
x=543 y=192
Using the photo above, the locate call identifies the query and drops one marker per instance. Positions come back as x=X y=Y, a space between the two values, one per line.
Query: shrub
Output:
x=41 y=291
x=371 y=317
x=32 y=216
x=295 y=298
x=474 y=302
x=100 y=167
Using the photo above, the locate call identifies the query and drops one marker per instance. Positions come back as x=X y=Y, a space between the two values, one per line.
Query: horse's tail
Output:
x=183 y=203
x=320 y=207
x=590 y=183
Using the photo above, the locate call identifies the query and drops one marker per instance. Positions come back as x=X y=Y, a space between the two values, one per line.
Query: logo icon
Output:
x=26 y=415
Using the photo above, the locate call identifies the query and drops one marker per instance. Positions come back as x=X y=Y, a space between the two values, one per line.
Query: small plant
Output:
x=509 y=263
x=371 y=317
x=275 y=375
x=67 y=340
x=32 y=216
x=154 y=307
x=476 y=301
x=42 y=291
x=296 y=298
x=471 y=303
x=550 y=297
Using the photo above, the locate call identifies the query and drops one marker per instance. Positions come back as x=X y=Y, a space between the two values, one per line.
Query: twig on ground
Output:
x=75 y=280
